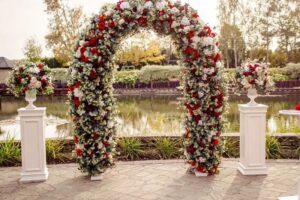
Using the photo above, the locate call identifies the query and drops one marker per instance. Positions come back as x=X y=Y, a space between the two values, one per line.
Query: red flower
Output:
x=75 y=139
x=71 y=88
x=200 y=169
x=190 y=150
x=112 y=25
x=101 y=26
x=215 y=142
x=94 y=50
x=93 y=74
x=85 y=59
x=106 y=144
x=142 y=21
x=102 y=18
x=162 y=12
x=297 y=107
x=44 y=82
x=40 y=66
x=76 y=101
x=191 y=34
x=18 y=79
x=217 y=57
x=78 y=152
x=189 y=50
x=77 y=84
x=93 y=41
x=195 y=15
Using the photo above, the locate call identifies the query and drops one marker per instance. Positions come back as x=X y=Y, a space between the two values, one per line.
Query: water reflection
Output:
x=147 y=116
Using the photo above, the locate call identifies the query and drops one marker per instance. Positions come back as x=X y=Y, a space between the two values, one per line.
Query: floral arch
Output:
x=91 y=92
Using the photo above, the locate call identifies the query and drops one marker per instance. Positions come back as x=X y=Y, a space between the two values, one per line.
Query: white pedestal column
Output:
x=32 y=124
x=253 y=139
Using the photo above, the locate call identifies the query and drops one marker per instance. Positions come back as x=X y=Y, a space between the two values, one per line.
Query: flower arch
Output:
x=91 y=92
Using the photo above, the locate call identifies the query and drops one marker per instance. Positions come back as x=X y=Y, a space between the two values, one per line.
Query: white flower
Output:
x=185 y=21
x=206 y=41
x=110 y=124
x=161 y=5
x=77 y=93
x=34 y=69
x=125 y=5
x=81 y=42
x=148 y=4
x=218 y=64
x=202 y=159
x=121 y=21
x=174 y=24
x=187 y=29
x=140 y=8
x=107 y=13
x=174 y=10
x=208 y=52
x=77 y=54
x=80 y=112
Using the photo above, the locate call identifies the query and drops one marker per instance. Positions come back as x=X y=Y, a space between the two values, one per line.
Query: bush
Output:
x=277 y=74
x=54 y=150
x=127 y=76
x=130 y=147
x=59 y=74
x=166 y=147
x=292 y=70
x=230 y=147
x=152 y=73
x=273 y=149
x=10 y=152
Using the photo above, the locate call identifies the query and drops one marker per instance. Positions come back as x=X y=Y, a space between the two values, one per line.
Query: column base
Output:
x=34 y=176
x=253 y=170
x=289 y=198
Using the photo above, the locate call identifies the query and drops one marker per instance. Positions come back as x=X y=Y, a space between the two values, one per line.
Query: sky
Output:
x=24 y=19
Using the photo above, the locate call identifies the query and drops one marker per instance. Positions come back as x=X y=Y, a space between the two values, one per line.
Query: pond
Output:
x=143 y=116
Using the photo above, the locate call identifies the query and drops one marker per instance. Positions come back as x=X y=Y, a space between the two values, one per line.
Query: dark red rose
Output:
x=217 y=57
x=44 y=82
x=195 y=15
x=75 y=139
x=190 y=150
x=215 y=142
x=93 y=41
x=102 y=18
x=94 y=50
x=142 y=21
x=101 y=26
x=40 y=66
x=76 y=101
x=207 y=29
x=71 y=88
x=297 y=107
x=85 y=59
x=106 y=144
x=200 y=169
x=191 y=34
x=112 y=25
x=189 y=50
x=93 y=74
x=77 y=84
x=18 y=79
x=78 y=152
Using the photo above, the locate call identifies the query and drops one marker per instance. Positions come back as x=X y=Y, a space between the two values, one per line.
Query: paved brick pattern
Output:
x=154 y=180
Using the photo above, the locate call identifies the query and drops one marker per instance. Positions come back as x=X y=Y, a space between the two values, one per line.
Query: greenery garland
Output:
x=90 y=87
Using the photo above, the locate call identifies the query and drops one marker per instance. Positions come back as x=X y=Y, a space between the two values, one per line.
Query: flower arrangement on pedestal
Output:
x=30 y=79
x=252 y=77
x=90 y=87
x=297 y=107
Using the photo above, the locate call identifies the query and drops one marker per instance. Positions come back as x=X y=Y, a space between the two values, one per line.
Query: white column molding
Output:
x=253 y=139
x=32 y=123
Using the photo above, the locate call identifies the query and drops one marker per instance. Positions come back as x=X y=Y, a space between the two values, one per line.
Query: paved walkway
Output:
x=156 y=180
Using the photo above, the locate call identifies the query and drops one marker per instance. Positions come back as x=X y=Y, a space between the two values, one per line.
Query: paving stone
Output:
x=154 y=180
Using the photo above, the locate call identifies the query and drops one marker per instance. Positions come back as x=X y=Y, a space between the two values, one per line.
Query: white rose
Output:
x=202 y=159
x=80 y=112
x=185 y=21
x=37 y=85
x=161 y=5
x=174 y=10
x=140 y=8
x=77 y=54
x=125 y=5
x=33 y=80
x=77 y=93
x=110 y=124
x=81 y=42
x=121 y=21
x=148 y=4
x=206 y=41
x=207 y=52
x=107 y=13
x=218 y=64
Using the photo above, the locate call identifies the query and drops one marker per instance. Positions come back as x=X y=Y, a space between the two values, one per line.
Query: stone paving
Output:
x=154 y=180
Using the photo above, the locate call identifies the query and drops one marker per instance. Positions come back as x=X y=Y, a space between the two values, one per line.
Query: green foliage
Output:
x=166 y=147
x=277 y=74
x=127 y=77
x=59 y=74
x=278 y=59
x=54 y=150
x=152 y=73
x=230 y=147
x=130 y=147
x=292 y=70
x=10 y=152
x=52 y=62
x=273 y=148
x=32 y=50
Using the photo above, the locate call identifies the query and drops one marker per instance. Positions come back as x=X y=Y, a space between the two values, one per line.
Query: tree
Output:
x=52 y=62
x=278 y=59
x=232 y=45
x=32 y=50
x=65 y=27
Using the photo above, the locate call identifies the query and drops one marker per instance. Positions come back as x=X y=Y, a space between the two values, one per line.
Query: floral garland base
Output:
x=90 y=87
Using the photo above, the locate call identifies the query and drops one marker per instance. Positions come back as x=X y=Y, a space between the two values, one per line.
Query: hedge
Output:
x=152 y=73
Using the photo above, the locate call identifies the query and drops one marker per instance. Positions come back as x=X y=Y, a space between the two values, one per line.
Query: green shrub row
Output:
x=156 y=73
x=133 y=149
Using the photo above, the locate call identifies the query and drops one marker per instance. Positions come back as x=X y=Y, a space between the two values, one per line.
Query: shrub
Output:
x=59 y=74
x=10 y=152
x=298 y=152
x=292 y=70
x=130 y=147
x=152 y=73
x=277 y=74
x=273 y=148
x=126 y=76
x=166 y=147
x=230 y=147
x=54 y=150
